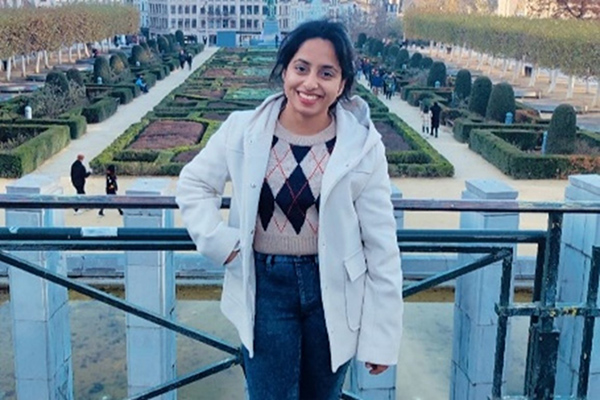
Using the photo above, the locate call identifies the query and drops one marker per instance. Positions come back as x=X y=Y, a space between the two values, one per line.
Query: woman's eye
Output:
x=300 y=68
x=328 y=74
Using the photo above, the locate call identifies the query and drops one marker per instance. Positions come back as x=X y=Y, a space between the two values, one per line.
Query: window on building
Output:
x=231 y=10
x=173 y=9
x=249 y=10
x=242 y=23
x=255 y=10
x=218 y=10
x=249 y=23
x=211 y=10
x=225 y=23
x=187 y=9
x=180 y=9
x=180 y=23
x=255 y=24
x=202 y=10
x=242 y=10
x=173 y=23
x=203 y=24
x=194 y=10
x=266 y=10
x=194 y=23
x=232 y=24
x=187 y=23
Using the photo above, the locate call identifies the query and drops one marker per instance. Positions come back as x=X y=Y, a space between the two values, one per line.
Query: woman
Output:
x=111 y=186
x=312 y=267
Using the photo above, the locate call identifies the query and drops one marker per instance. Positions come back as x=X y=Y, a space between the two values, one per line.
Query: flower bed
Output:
x=161 y=135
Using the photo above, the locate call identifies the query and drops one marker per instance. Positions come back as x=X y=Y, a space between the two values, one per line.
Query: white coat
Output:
x=361 y=277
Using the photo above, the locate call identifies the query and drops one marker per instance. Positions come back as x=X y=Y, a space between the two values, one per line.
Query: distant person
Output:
x=182 y=58
x=425 y=119
x=78 y=176
x=111 y=186
x=436 y=112
x=204 y=40
x=94 y=52
x=141 y=83
x=189 y=60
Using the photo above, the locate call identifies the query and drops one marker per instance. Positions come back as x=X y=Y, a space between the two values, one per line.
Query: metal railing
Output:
x=542 y=310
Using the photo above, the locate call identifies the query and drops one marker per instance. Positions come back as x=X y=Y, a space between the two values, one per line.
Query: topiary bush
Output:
x=462 y=88
x=102 y=69
x=562 y=130
x=415 y=60
x=437 y=73
x=480 y=95
x=153 y=45
x=179 y=37
x=362 y=39
x=163 y=44
x=116 y=64
x=393 y=51
x=402 y=59
x=58 y=80
x=426 y=63
x=502 y=101
x=138 y=54
x=75 y=76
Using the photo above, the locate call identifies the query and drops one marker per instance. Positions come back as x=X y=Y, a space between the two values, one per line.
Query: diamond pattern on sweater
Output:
x=292 y=186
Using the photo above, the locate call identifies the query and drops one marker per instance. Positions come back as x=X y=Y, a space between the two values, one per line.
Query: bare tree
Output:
x=576 y=9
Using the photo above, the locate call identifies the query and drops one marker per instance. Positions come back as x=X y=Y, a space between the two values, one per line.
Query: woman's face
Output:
x=312 y=81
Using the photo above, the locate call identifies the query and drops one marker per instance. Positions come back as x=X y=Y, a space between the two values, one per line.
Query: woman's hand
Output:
x=376 y=369
x=232 y=256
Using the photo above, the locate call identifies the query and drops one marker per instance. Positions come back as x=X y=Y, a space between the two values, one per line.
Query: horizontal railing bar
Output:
x=454 y=273
x=429 y=248
x=133 y=245
x=168 y=202
x=470 y=236
x=187 y=379
x=116 y=302
x=535 y=310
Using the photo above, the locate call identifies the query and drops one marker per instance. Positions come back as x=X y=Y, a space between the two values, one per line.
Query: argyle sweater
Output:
x=288 y=210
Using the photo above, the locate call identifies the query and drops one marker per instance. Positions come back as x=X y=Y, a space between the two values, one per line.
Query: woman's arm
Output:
x=199 y=191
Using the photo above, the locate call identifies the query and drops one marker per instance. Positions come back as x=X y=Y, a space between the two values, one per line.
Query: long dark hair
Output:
x=319 y=29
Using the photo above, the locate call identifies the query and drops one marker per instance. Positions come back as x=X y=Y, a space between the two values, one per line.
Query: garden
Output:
x=71 y=99
x=507 y=133
x=235 y=79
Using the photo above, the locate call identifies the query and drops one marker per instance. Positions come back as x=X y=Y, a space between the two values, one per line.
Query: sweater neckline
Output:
x=305 y=140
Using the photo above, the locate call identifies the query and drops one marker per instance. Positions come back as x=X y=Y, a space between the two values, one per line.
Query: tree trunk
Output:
x=59 y=56
x=38 y=58
x=480 y=62
x=46 y=63
x=587 y=86
x=535 y=70
x=470 y=58
x=8 y=68
x=71 y=54
x=78 y=48
x=517 y=71
x=553 y=79
x=594 y=102
x=86 y=50
x=505 y=63
x=571 y=87
x=23 y=66
x=491 y=62
x=431 y=48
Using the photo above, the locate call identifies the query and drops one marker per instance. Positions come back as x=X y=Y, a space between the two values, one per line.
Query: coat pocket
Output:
x=354 y=290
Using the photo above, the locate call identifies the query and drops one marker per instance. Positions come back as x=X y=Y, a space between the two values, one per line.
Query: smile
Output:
x=309 y=97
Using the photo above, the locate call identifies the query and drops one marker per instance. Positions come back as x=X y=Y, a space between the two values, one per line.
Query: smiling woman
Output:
x=312 y=267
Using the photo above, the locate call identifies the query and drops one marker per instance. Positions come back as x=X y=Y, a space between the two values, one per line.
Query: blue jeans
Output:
x=292 y=359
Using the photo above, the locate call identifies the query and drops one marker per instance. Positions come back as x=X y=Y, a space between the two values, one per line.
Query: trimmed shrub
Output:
x=153 y=45
x=101 y=69
x=362 y=39
x=562 y=130
x=502 y=101
x=138 y=54
x=124 y=95
x=179 y=37
x=145 y=46
x=123 y=57
x=415 y=60
x=100 y=110
x=393 y=51
x=116 y=64
x=480 y=95
x=75 y=76
x=437 y=73
x=426 y=63
x=28 y=156
x=403 y=58
x=76 y=123
x=462 y=88
x=58 y=80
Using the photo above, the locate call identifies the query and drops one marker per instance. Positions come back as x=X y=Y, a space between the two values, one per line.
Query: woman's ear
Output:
x=341 y=88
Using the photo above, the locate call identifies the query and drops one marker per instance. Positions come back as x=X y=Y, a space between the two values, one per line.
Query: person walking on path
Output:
x=189 y=59
x=78 y=175
x=312 y=266
x=436 y=112
x=425 y=119
x=111 y=186
x=182 y=58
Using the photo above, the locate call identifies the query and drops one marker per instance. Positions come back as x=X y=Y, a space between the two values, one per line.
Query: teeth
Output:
x=308 y=96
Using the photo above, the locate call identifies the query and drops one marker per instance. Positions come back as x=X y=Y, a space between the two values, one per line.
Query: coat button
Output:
x=253 y=185
x=252 y=232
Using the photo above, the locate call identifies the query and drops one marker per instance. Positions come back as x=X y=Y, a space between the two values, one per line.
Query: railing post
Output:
x=40 y=311
x=363 y=384
x=475 y=321
x=150 y=283
x=580 y=233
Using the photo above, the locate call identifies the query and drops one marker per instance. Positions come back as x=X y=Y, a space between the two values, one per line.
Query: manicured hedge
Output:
x=519 y=164
x=463 y=127
x=124 y=95
x=100 y=110
x=76 y=123
x=30 y=155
